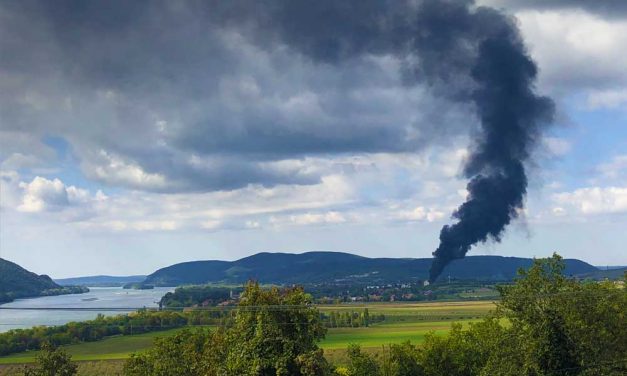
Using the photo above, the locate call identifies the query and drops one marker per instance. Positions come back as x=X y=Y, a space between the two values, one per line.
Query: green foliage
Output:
x=52 y=362
x=17 y=282
x=181 y=354
x=138 y=286
x=188 y=296
x=361 y=364
x=461 y=352
x=272 y=328
x=403 y=360
x=323 y=267
x=274 y=332
x=545 y=325
x=313 y=363
x=18 y=340
x=560 y=326
x=350 y=319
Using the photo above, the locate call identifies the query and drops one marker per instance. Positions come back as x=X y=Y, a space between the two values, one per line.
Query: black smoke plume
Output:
x=511 y=116
x=471 y=56
x=468 y=54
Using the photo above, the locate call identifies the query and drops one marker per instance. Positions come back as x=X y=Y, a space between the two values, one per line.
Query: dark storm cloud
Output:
x=174 y=96
x=237 y=85
x=219 y=79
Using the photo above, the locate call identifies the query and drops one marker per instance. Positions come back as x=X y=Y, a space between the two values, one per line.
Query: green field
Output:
x=118 y=347
x=402 y=322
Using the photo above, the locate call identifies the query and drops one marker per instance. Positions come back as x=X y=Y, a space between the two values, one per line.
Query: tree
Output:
x=403 y=360
x=272 y=329
x=560 y=326
x=181 y=354
x=361 y=364
x=546 y=324
x=274 y=332
x=52 y=361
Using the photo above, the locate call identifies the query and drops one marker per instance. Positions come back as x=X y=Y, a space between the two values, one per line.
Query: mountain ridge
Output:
x=17 y=282
x=100 y=280
x=322 y=267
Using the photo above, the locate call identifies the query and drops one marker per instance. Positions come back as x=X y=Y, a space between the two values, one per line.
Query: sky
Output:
x=135 y=135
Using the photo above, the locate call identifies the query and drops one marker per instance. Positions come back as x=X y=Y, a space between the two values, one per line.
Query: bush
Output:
x=52 y=362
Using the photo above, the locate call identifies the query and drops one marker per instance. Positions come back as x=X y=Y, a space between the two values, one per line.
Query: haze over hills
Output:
x=100 y=280
x=321 y=267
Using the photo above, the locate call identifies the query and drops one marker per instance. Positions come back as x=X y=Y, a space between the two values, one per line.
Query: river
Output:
x=26 y=313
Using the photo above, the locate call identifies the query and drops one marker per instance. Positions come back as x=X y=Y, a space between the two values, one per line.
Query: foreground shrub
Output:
x=275 y=332
x=52 y=361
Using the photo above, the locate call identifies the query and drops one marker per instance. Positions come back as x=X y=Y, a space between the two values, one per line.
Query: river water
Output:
x=97 y=300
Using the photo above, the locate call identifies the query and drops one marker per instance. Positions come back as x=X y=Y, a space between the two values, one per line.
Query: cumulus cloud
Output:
x=115 y=171
x=576 y=50
x=42 y=195
x=357 y=189
x=421 y=213
x=592 y=201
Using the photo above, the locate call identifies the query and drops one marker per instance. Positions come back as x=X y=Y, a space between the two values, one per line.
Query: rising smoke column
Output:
x=511 y=117
x=472 y=56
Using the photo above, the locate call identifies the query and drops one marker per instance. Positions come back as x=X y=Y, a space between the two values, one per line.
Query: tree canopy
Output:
x=545 y=325
x=274 y=332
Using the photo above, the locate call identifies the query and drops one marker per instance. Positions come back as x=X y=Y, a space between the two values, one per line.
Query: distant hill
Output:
x=606 y=273
x=15 y=278
x=318 y=267
x=17 y=282
x=100 y=280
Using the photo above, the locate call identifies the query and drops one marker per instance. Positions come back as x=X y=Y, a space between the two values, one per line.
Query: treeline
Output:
x=350 y=319
x=201 y=295
x=145 y=321
x=18 y=340
x=6 y=297
x=544 y=325
x=336 y=293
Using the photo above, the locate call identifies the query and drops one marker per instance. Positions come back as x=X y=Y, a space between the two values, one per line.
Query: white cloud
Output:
x=421 y=213
x=557 y=146
x=575 y=49
x=370 y=188
x=607 y=99
x=23 y=150
x=614 y=169
x=113 y=170
x=591 y=201
x=44 y=195
x=331 y=217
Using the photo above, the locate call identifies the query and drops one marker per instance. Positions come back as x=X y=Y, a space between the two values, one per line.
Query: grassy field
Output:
x=383 y=334
x=403 y=322
x=118 y=347
x=85 y=368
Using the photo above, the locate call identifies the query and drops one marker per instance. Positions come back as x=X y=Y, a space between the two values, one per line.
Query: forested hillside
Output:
x=100 y=280
x=326 y=267
x=17 y=282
